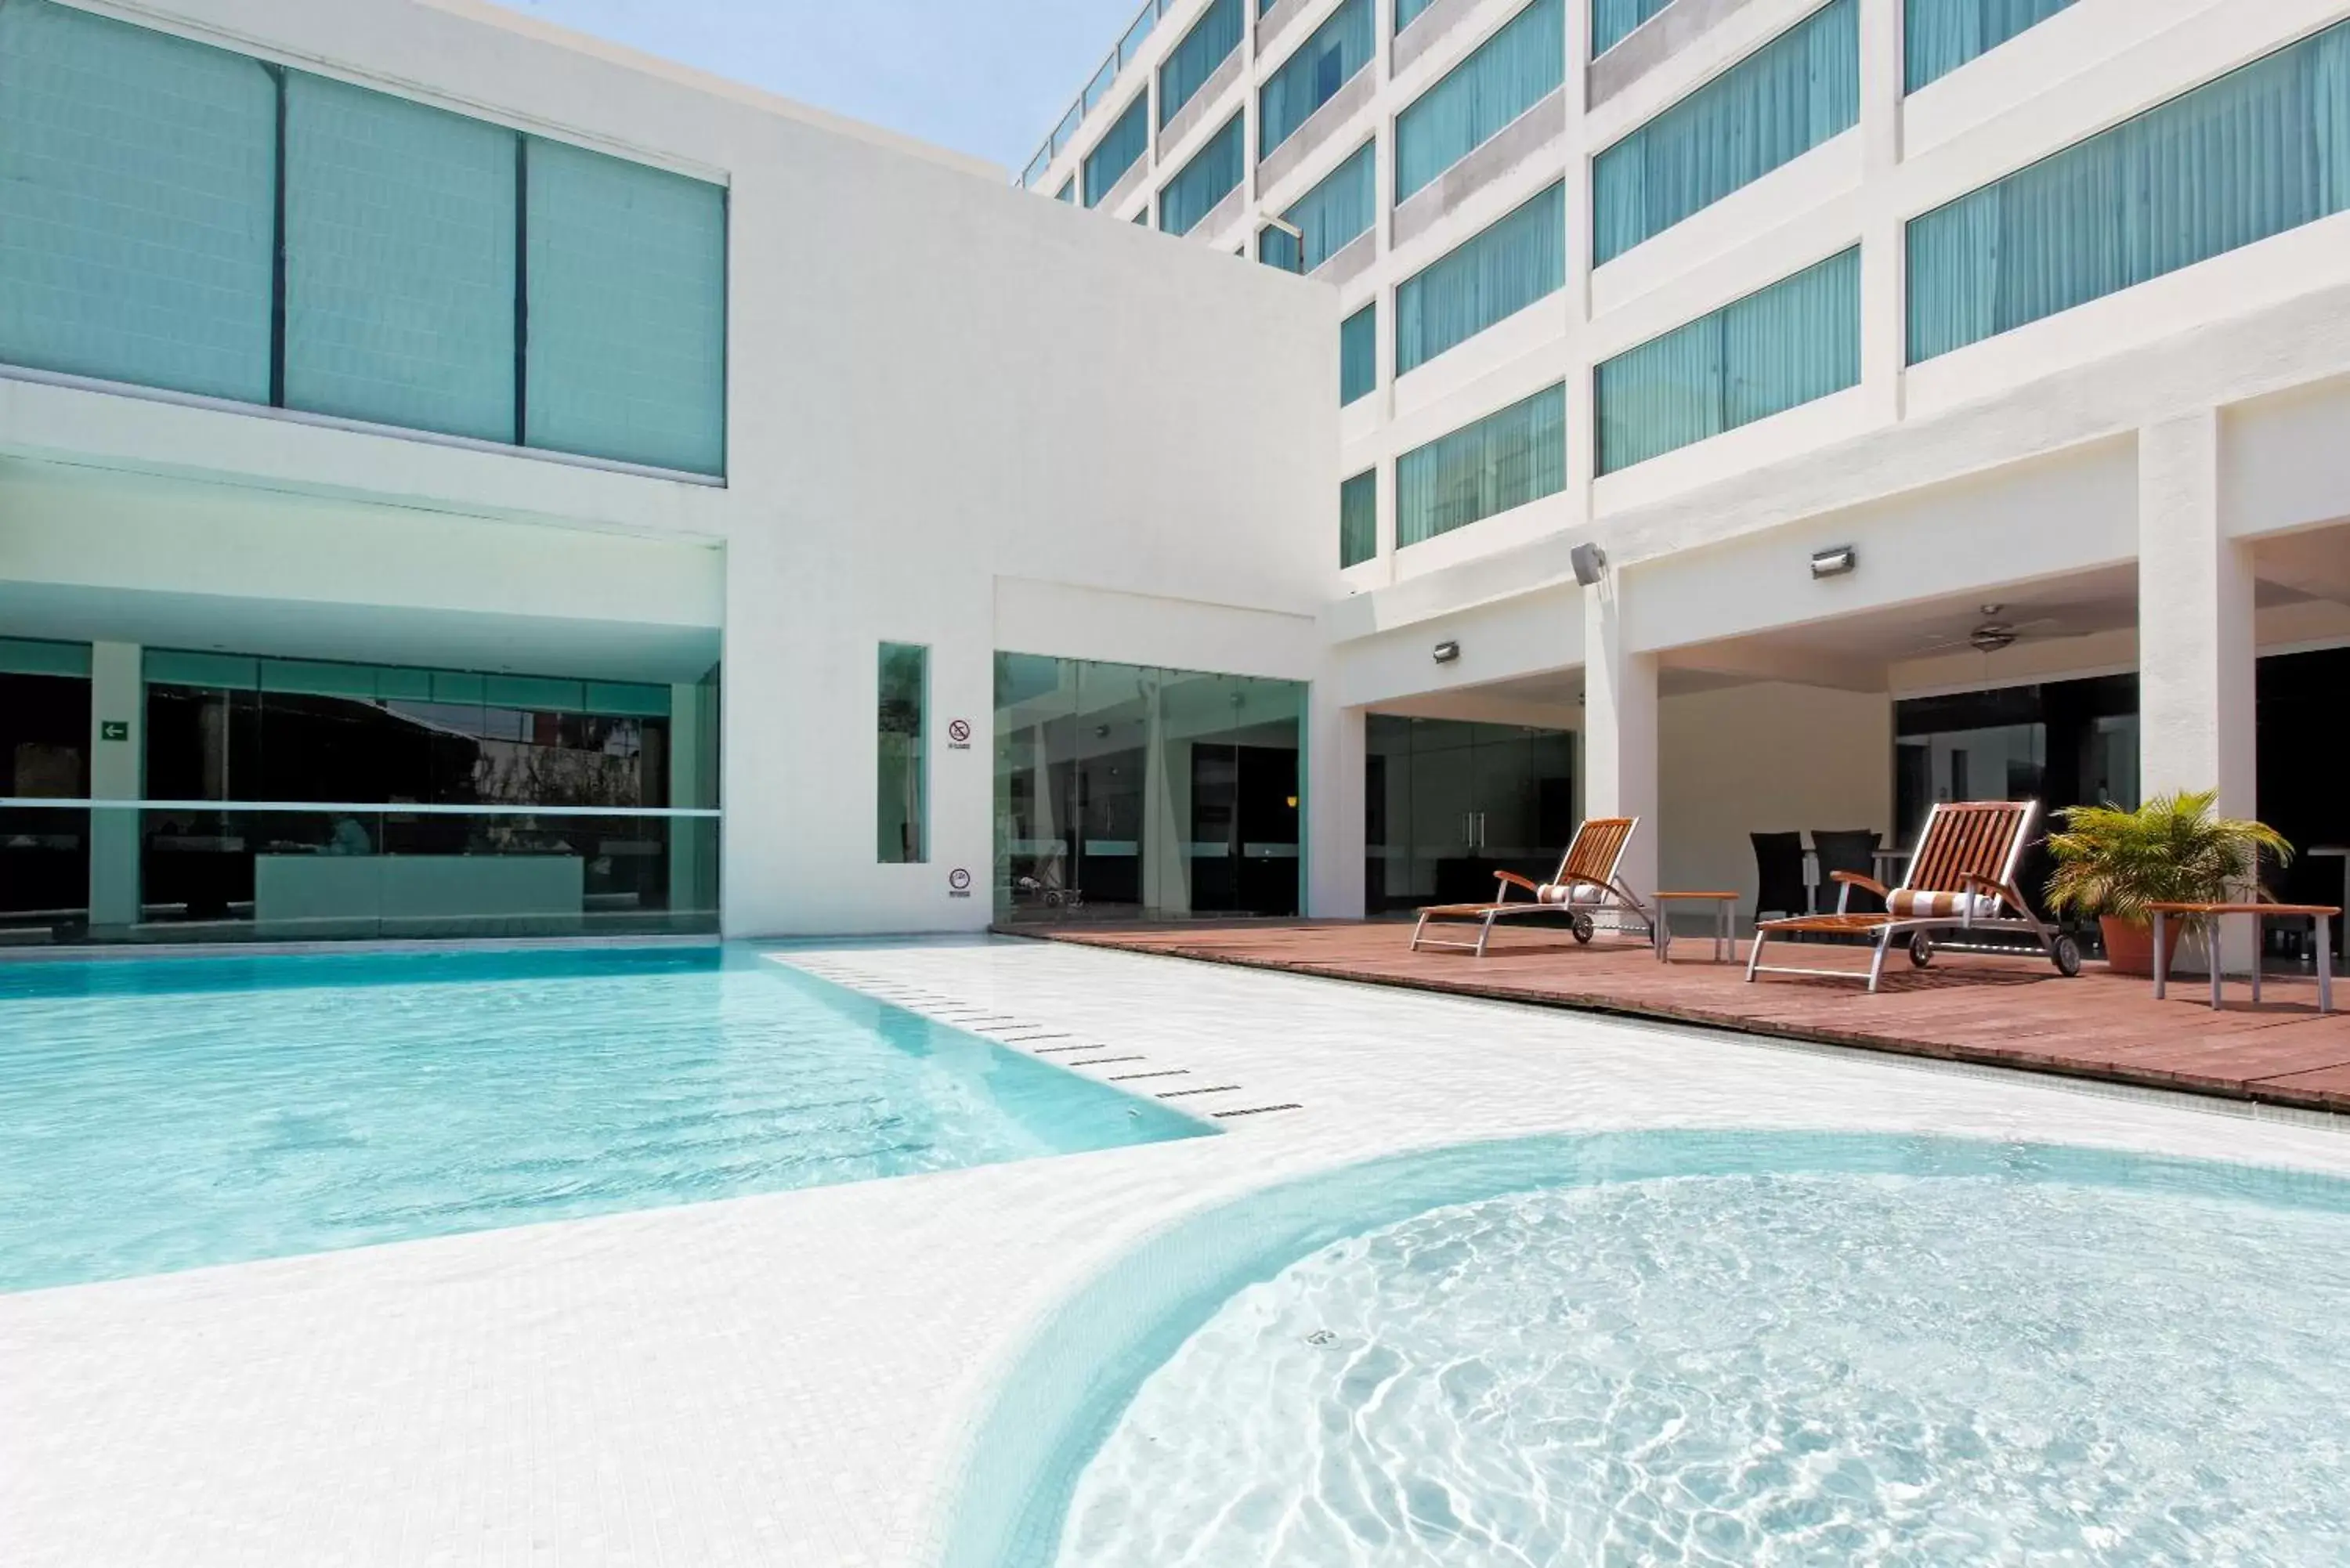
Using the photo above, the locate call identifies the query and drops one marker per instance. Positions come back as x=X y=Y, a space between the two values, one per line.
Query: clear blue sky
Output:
x=984 y=77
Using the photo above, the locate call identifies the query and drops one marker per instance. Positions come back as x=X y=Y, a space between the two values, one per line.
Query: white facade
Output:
x=2158 y=469
x=964 y=417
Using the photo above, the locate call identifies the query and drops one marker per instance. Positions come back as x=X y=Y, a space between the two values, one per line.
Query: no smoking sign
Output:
x=958 y=735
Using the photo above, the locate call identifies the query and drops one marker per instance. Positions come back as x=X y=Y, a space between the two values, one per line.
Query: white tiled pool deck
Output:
x=789 y=1379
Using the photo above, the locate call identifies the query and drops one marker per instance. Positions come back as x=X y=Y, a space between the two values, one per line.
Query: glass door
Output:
x=1448 y=804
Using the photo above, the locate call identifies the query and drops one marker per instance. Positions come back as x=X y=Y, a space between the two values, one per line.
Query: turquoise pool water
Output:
x=1683 y=1348
x=166 y=1114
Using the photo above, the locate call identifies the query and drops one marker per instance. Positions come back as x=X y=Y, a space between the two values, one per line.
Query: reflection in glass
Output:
x=1127 y=790
x=899 y=803
x=44 y=726
x=1447 y=804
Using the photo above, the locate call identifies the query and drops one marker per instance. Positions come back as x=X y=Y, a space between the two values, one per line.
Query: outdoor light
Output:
x=1295 y=233
x=1835 y=563
x=1590 y=561
x=1446 y=652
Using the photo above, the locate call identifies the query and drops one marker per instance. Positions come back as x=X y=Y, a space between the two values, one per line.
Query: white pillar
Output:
x=1884 y=300
x=2197 y=717
x=1619 y=730
x=1332 y=774
x=1165 y=846
x=117 y=771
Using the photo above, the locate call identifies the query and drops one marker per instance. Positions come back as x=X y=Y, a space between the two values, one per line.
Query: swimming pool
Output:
x=162 y=1114
x=1718 y=1348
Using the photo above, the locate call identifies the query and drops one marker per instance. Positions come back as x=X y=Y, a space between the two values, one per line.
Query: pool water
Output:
x=1763 y=1367
x=166 y=1114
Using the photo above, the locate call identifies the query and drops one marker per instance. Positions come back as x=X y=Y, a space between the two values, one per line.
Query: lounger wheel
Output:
x=2066 y=953
x=1585 y=928
x=1922 y=950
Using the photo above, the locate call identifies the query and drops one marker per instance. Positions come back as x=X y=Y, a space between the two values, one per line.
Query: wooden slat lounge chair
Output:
x=1586 y=887
x=1961 y=879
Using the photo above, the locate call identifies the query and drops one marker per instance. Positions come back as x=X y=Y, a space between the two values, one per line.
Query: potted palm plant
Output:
x=2174 y=849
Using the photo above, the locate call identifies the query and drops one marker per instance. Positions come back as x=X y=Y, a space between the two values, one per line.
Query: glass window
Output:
x=1068 y=191
x=2258 y=152
x=1279 y=249
x=1507 y=459
x=1613 y=21
x=1191 y=63
x=1940 y=36
x=1097 y=88
x=1448 y=804
x=1359 y=354
x=1313 y=76
x=1339 y=210
x=1358 y=518
x=1144 y=21
x=1125 y=788
x=902 y=806
x=399 y=261
x=45 y=742
x=1407 y=12
x=1778 y=103
x=136 y=204
x=1213 y=173
x=628 y=311
x=1511 y=71
x=1486 y=279
x=1121 y=146
x=1788 y=344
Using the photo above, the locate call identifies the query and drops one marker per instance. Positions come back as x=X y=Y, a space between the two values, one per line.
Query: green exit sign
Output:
x=114 y=728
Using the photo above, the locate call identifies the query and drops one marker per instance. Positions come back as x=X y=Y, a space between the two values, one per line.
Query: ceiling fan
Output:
x=1994 y=632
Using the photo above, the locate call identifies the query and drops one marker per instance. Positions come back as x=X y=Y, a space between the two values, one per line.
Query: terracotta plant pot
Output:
x=2129 y=944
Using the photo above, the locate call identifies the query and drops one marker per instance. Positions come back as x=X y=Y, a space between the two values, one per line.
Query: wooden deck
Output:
x=2000 y=1011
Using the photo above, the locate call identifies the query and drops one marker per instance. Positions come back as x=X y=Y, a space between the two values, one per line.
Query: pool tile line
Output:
x=1006 y=1029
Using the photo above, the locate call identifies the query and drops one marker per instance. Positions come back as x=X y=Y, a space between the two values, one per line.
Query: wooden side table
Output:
x=1725 y=945
x=2323 y=914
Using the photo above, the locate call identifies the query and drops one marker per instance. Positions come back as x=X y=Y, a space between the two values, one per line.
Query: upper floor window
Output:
x=398 y=264
x=1209 y=43
x=1509 y=457
x=1313 y=76
x=1940 y=36
x=1359 y=354
x=1613 y=21
x=1407 y=12
x=1792 y=343
x=1778 y=103
x=1213 y=173
x=2261 y=151
x=1334 y=213
x=1121 y=148
x=1493 y=275
x=1358 y=519
x=1517 y=68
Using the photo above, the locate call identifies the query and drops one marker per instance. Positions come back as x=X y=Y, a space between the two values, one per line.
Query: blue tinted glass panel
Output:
x=628 y=311
x=1339 y=210
x=136 y=204
x=1407 y=12
x=1495 y=275
x=1191 y=63
x=1790 y=344
x=1780 y=102
x=1213 y=173
x=1279 y=250
x=1144 y=21
x=2257 y=153
x=1359 y=354
x=1313 y=76
x=1358 y=518
x=1613 y=21
x=1511 y=72
x=1120 y=147
x=1504 y=460
x=1940 y=36
x=399 y=261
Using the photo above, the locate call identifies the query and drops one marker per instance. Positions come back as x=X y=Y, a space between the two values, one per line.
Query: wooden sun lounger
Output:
x=1587 y=885
x=1961 y=879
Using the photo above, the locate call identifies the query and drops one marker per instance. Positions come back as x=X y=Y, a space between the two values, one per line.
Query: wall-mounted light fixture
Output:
x=1446 y=652
x=1296 y=237
x=1590 y=563
x=1835 y=563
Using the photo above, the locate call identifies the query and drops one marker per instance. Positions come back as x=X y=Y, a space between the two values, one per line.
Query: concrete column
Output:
x=1884 y=299
x=1619 y=730
x=688 y=835
x=117 y=771
x=1332 y=775
x=2197 y=724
